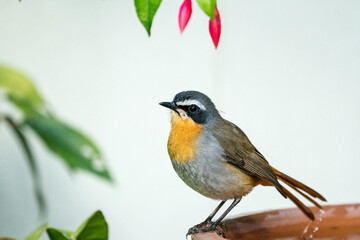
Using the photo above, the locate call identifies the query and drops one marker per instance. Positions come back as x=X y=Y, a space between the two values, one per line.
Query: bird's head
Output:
x=195 y=106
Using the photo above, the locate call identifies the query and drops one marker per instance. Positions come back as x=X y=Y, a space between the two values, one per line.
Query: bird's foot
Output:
x=206 y=226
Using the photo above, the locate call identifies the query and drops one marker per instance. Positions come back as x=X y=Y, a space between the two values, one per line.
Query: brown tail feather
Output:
x=294 y=183
x=302 y=189
x=304 y=195
x=300 y=205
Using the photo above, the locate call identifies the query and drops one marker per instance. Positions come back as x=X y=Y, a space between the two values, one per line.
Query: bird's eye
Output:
x=192 y=108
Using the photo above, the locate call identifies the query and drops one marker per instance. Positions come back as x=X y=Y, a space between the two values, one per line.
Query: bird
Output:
x=215 y=158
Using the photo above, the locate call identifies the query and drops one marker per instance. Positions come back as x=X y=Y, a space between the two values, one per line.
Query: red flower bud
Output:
x=215 y=27
x=184 y=14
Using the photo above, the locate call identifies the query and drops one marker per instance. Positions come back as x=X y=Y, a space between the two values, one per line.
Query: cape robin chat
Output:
x=215 y=158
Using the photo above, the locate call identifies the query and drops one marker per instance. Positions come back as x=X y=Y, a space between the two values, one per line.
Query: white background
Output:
x=286 y=72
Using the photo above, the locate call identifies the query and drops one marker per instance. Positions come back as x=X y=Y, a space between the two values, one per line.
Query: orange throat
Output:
x=182 y=143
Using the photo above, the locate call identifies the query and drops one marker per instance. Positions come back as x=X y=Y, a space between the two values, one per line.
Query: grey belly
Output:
x=212 y=179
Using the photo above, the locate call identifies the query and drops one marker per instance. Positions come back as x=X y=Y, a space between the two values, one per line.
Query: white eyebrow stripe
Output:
x=189 y=102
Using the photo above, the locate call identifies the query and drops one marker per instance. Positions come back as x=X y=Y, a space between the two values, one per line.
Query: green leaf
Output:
x=78 y=151
x=208 y=7
x=37 y=233
x=32 y=164
x=20 y=90
x=94 y=228
x=75 y=148
x=146 y=10
x=56 y=234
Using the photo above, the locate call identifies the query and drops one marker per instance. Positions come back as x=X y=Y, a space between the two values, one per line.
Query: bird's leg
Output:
x=214 y=225
x=210 y=217
x=207 y=221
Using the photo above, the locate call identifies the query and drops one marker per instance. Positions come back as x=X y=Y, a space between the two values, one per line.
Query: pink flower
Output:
x=184 y=14
x=215 y=27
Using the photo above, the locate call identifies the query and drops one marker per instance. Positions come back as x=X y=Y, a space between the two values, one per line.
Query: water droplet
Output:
x=306 y=230
x=98 y=164
x=87 y=151
x=316 y=229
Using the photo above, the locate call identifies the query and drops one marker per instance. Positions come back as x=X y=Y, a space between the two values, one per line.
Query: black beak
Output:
x=170 y=105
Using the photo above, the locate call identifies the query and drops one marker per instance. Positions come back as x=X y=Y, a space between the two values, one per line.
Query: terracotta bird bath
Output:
x=332 y=223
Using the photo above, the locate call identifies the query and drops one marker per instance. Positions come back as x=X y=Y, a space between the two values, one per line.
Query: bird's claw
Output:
x=206 y=226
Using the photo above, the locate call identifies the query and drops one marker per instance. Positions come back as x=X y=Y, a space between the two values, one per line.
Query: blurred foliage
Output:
x=20 y=90
x=38 y=232
x=28 y=110
x=93 y=228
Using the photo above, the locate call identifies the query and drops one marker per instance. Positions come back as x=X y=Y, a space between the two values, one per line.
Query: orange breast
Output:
x=182 y=143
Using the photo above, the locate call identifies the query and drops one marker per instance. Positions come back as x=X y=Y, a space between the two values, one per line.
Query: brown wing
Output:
x=240 y=152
